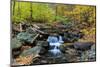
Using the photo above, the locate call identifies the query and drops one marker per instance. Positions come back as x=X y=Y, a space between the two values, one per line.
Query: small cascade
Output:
x=55 y=42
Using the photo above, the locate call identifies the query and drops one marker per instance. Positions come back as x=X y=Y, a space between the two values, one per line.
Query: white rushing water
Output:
x=55 y=42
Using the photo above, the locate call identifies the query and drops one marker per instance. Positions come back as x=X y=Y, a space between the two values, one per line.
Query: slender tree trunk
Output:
x=19 y=14
x=20 y=25
x=14 y=3
x=62 y=14
x=56 y=12
x=19 y=11
x=31 y=11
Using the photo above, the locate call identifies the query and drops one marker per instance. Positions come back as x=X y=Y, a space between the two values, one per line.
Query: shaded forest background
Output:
x=80 y=17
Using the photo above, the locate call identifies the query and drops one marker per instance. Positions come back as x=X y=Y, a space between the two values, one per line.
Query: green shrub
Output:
x=62 y=19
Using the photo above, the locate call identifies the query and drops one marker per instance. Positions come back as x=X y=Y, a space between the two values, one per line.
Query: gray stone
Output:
x=89 y=55
x=83 y=45
x=44 y=46
x=42 y=43
x=44 y=61
x=26 y=37
x=35 y=51
x=15 y=43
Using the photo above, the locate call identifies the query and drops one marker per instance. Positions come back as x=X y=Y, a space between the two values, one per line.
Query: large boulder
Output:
x=35 y=51
x=15 y=46
x=40 y=48
x=92 y=53
x=89 y=55
x=26 y=37
x=15 y=43
x=72 y=36
x=44 y=46
x=82 y=45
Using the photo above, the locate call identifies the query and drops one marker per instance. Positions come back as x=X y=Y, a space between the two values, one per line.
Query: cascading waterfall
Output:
x=55 y=42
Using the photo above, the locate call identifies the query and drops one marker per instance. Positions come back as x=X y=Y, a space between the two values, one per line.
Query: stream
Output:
x=54 y=43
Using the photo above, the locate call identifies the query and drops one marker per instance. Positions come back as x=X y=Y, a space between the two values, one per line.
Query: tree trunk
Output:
x=19 y=14
x=31 y=11
x=56 y=12
x=14 y=7
x=20 y=25
x=19 y=11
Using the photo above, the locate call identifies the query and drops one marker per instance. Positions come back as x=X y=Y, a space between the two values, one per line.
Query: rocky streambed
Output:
x=32 y=47
x=40 y=55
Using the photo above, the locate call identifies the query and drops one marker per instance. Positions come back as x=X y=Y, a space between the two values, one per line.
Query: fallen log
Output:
x=34 y=25
x=35 y=37
x=39 y=31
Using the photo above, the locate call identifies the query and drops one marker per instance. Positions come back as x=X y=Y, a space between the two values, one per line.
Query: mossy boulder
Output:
x=15 y=46
x=26 y=37
x=35 y=51
x=40 y=48
x=15 y=43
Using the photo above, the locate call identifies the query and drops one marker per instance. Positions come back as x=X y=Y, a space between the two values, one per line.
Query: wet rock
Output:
x=43 y=37
x=15 y=43
x=35 y=51
x=43 y=61
x=64 y=59
x=72 y=37
x=88 y=55
x=26 y=37
x=29 y=30
x=51 y=47
x=42 y=43
x=16 y=53
x=16 y=46
x=44 y=46
x=43 y=51
x=71 y=52
x=83 y=45
x=92 y=53
x=40 y=49
x=62 y=48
